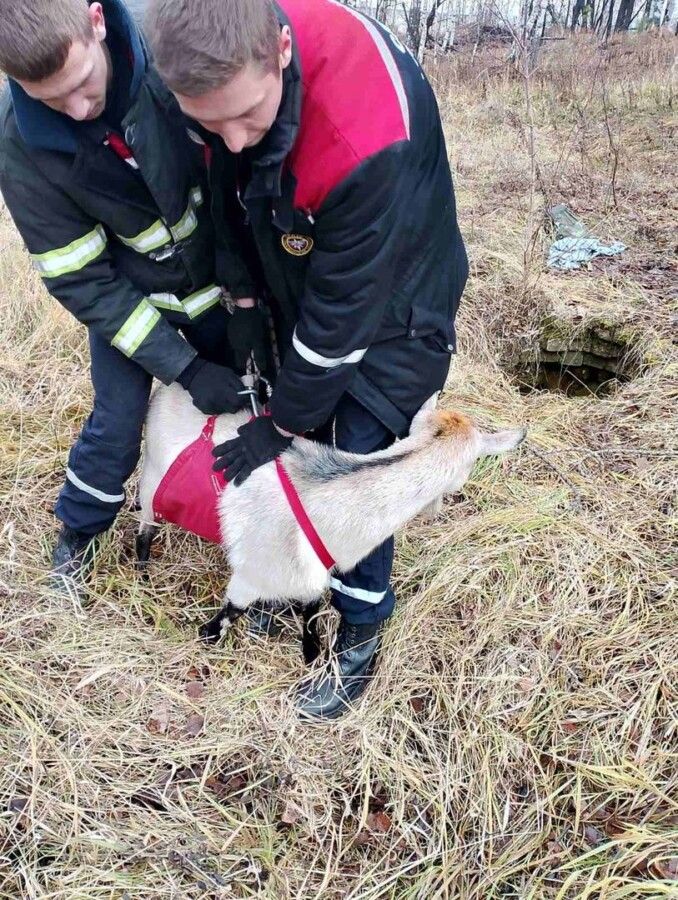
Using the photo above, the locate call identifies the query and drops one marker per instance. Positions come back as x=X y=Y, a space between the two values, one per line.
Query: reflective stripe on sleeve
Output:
x=73 y=256
x=357 y=593
x=188 y=222
x=167 y=301
x=156 y=235
x=198 y=303
x=326 y=362
x=136 y=329
x=94 y=492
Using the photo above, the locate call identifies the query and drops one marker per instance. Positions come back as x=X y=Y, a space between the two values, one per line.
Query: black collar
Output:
x=268 y=157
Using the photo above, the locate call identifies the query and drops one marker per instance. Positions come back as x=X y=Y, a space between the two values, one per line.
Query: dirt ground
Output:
x=520 y=739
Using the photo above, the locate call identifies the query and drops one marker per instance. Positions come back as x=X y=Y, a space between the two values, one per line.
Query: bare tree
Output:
x=625 y=15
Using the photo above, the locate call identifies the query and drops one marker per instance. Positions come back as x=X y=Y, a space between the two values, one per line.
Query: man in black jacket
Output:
x=331 y=146
x=109 y=194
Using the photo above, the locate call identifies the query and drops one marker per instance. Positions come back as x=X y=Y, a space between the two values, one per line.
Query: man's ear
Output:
x=285 y=47
x=96 y=17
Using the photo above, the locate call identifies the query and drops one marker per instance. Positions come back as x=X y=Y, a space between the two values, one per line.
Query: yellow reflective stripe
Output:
x=167 y=301
x=73 y=256
x=136 y=328
x=156 y=235
x=201 y=301
x=186 y=225
x=188 y=222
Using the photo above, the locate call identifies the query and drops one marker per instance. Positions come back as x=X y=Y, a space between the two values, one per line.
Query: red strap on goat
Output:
x=300 y=515
x=189 y=492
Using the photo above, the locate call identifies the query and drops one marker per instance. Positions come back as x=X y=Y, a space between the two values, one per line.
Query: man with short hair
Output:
x=110 y=196
x=332 y=148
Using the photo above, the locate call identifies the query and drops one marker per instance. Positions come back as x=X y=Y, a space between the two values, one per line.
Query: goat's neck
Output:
x=357 y=512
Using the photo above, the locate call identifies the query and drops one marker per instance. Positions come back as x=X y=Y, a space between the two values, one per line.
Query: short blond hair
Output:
x=199 y=45
x=36 y=35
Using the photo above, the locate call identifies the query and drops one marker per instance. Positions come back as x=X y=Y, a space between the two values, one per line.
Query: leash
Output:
x=252 y=381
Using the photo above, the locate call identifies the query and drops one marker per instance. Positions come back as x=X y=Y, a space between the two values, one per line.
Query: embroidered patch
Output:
x=297 y=244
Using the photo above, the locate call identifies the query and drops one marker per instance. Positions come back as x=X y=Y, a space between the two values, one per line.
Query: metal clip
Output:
x=163 y=254
x=251 y=379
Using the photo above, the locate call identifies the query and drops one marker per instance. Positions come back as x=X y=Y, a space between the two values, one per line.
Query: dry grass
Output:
x=521 y=736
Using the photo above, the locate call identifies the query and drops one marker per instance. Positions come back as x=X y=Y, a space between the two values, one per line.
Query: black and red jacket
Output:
x=350 y=206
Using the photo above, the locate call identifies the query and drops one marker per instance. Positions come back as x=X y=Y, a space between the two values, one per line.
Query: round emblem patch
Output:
x=297 y=244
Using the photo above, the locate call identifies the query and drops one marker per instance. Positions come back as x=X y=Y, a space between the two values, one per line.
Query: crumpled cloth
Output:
x=571 y=253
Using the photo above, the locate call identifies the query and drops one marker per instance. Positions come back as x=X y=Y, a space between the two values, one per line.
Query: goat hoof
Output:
x=142 y=546
x=212 y=632
x=311 y=650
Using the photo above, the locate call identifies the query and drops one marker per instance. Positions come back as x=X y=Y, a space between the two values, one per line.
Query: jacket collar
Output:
x=268 y=157
x=47 y=129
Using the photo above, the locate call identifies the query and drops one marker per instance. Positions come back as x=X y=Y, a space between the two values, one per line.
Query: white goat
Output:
x=355 y=502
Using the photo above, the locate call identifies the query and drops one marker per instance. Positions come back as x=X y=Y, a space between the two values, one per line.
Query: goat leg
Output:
x=143 y=543
x=213 y=631
x=310 y=639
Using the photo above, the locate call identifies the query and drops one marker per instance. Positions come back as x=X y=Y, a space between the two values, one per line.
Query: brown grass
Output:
x=520 y=739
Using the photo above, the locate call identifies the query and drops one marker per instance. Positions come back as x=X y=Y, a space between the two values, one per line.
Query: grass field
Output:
x=521 y=736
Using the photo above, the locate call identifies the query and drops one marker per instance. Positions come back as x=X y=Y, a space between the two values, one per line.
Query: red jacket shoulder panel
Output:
x=354 y=100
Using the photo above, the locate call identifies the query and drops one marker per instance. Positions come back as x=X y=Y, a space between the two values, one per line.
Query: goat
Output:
x=354 y=501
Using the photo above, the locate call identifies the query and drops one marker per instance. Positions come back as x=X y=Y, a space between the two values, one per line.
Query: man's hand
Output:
x=214 y=389
x=259 y=443
x=246 y=330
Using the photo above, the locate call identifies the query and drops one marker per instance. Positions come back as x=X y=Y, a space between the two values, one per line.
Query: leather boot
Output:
x=72 y=559
x=329 y=694
x=263 y=620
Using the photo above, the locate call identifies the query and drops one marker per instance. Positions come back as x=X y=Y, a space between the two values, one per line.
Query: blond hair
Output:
x=36 y=35
x=199 y=45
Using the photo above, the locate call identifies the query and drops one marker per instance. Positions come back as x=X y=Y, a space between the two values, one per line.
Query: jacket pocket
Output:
x=426 y=323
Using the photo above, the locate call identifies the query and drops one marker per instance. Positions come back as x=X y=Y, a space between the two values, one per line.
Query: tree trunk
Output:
x=624 y=15
x=608 y=26
x=576 y=12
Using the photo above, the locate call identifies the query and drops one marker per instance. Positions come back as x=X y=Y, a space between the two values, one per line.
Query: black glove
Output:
x=214 y=388
x=259 y=443
x=246 y=330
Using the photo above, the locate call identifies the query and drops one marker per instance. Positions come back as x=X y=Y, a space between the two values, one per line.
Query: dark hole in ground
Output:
x=574 y=381
x=586 y=363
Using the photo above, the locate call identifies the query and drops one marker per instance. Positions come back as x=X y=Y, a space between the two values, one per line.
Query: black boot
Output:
x=329 y=694
x=72 y=558
x=263 y=620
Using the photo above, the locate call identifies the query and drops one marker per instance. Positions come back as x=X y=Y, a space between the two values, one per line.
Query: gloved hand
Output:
x=246 y=331
x=214 y=389
x=259 y=443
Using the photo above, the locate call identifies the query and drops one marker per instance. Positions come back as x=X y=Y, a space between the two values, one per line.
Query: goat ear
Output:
x=503 y=441
x=421 y=415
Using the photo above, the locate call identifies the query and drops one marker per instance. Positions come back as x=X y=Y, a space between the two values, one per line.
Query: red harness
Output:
x=189 y=493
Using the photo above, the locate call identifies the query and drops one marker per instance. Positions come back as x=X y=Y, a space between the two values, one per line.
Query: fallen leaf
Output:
x=225 y=790
x=17 y=804
x=614 y=826
x=570 y=727
x=290 y=814
x=158 y=722
x=417 y=704
x=555 y=848
x=593 y=835
x=194 y=725
x=378 y=822
x=195 y=690
x=667 y=868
